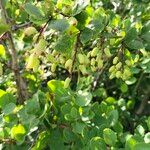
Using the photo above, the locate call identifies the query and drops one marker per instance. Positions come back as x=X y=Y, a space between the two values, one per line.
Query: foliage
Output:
x=83 y=68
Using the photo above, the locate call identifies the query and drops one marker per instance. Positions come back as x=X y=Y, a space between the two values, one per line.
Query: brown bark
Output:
x=20 y=83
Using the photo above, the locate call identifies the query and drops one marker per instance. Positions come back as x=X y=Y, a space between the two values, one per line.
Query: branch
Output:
x=100 y=72
x=142 y=106
x=16 y=27
x=21 y=86
x=42 y=29
x=75 y=54
x=138 y=83
x=7 y=141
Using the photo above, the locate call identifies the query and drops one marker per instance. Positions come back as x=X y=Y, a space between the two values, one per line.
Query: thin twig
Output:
x=75 y=54
x=19 y=26
x=42 y=29
x=100 y=72
x=21 y=86
x=7 y=141
x=138 y=83
x=142 y=105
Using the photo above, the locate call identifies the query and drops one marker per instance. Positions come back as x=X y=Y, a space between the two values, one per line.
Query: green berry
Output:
x=115 y=60
x=67 y=82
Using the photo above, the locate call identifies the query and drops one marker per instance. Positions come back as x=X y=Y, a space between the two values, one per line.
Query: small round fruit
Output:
x=30 y=31
x=67 y=82
x=81 y=58
x=112 y=68
x=107 y=52
x=94 y=52
x=118 y=66
x=115 y=60
x=128 y=62
x=68 y=64
x=83 y=69
x=53 y=67
x=93 y=61
x=100 y=63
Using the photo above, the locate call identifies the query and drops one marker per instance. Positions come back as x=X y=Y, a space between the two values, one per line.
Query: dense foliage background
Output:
x=74 y=74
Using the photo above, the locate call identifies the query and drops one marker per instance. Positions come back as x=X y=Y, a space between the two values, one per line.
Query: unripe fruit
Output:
x=68 y=64
x=111 y=76
x=94 y=52
x=86 y=59
x=136 y=58
x=73 y=21
x=89 y=54
x=112 y=68
x=93 y=68
x=40 y=47
x=66 y=10
x=51 y=58
x=81 y=58
x=100 y=63
x=17 y=12
x=107 y=52
x=127 y=72
x=30 y=31
x=53 y=67
x=54 y=53
x=33 y=62
x=115 y=60
x=128 y=62
x=99 y=56
x=93 y=62
x=118 y=74
x=83 y=69
x=118 y=66
x=62 y=60
x=67 y=82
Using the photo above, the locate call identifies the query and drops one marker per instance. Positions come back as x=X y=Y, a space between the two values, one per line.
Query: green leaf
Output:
x=78 y=127
x=131 y=35
x=118 y=127
x=131 y=81
x=97 y=143
x=74 y=112
x=140 y=130
x=110 y=137
x=146 y=37
x=33 y=11
x=18 y=133
x=148 y=122
x=59 y=25
x=99 y=20
x=64 y=44
x=9 y=108
x=135 y=44
x=2 y=50
x=110 y=100
x=147 y=137
x=42 y=141
x=123 y=88
x=3 y=27
x=132 y=141
x=79 y=6
x=57 y=87
x=142 y=146
x=86 y=35
x=6 y=98
x=113 y=117
x=68 y=135
x=83 y=98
